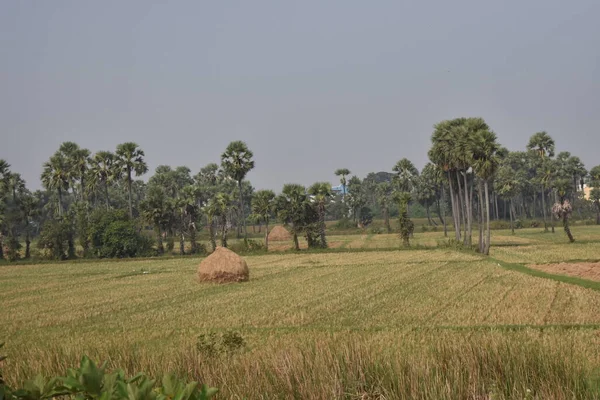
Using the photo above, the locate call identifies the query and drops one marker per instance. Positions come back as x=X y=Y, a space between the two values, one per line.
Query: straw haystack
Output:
x=222 y=266
x=279 y=234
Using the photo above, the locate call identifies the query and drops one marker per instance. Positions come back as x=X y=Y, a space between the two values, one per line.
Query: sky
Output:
x=310 y=86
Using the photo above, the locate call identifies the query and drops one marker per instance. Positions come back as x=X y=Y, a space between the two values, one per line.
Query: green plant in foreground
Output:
x=92 y=382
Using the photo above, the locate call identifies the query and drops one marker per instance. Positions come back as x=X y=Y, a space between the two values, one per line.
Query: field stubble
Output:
x=377 y=324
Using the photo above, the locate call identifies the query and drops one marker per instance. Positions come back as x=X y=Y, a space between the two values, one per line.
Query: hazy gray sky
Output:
x=311 y=86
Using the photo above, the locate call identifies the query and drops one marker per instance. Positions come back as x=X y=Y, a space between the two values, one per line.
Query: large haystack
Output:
x=279 y=234
x=222 y=266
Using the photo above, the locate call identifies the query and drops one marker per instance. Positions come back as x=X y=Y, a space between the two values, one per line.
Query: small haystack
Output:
x=223 y=266
x=279 y=234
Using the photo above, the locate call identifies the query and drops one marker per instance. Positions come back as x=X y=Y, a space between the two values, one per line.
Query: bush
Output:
x=246 y=246
x=345 y=223
x=366 y=216
x=56 y=238
x=114 y=234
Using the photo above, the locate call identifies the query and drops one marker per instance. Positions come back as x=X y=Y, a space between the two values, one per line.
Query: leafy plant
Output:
x=91 y=382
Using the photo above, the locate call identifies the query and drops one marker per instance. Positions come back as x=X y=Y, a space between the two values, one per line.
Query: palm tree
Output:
x=103 y=171
x=384 y=191
x=56 y=177
x=188 y=201
x=220 y=206
x=290 y=208
x=485 y=147
x=342 y=173
x=78 y=164
x=322 y=195
x=130 y=159
x=406 y=175
x=15 y=184
x=156 y=211
x=28 y=205
x=263 y=204
x=543 y=145
x=237 y=161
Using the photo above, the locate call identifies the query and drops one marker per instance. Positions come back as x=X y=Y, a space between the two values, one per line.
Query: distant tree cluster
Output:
x=96 y=205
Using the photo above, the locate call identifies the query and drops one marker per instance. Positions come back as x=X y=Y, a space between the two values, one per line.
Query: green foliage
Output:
x=114 y=234
x=406 y=226
x=366 y=216
x=213 y=345
x=91 y=382
x=55 y=238
x=345 y=223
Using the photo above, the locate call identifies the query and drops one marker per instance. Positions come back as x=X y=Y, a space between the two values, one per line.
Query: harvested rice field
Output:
x=428 y=322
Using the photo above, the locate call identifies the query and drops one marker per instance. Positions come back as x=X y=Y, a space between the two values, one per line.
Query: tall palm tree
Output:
x=263 y=203
x=28 y=204
x=103 y=171
x=188 y=202
x=406 y=175
x=384 y=192
x=342 y=173
x=485 y=147
x=15 y=184
x=130 y=160
x=55 y=176
x=78 y=165
x=157 y=212
x=322 y=195
x=290 y=208
x=543 y=145
x=237 y=161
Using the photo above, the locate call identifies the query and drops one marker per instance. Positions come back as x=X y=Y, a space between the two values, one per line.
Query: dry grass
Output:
x=378 y=324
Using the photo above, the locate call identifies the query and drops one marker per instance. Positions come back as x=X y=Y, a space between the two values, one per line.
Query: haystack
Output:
x=223 y=266
x=279 y=234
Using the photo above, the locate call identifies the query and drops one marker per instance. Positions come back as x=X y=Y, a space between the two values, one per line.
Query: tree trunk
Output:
x=512 y=212
x=544 y=208
x=224 y=231
x=597 y=212
x=480 y=216
x=211 y=232
x=130 y=194
x=469 y=207
x=242 y=210
x=106 y=195
x=1 y=247
x=461 y=201
x=487 y=220
x=27 y=242
x=60 y=207
x=322 y=226
x=386 y=214
x=428 y=215
x=567 y=228
x=497 y=210
x=159 y=241
x=443 y=207
x=455 y=215
x=194 y=243
x=267 y=234
x=296 y=244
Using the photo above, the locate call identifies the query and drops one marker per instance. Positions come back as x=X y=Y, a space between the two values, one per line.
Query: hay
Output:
x=223 y=266
x=279 y=234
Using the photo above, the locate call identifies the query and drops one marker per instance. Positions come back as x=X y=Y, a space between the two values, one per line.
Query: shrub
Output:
x=246 y=246
x=366 y=216
x=56 y=239
x=114 y=234
x=345 y=223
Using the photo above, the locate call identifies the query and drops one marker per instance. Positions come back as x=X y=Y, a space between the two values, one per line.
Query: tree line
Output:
x=98 y=204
